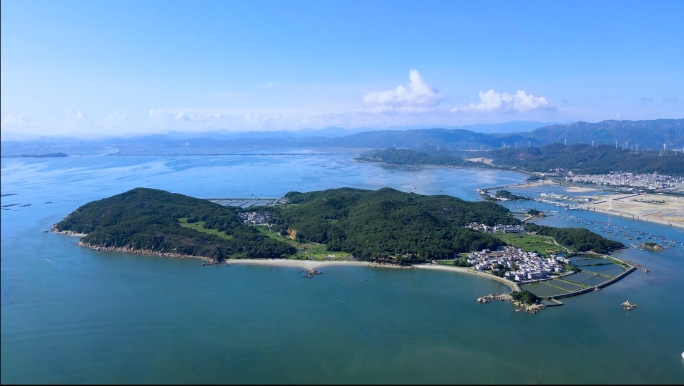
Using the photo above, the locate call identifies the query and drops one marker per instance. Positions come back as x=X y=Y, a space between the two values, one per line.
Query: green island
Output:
x=505 y=195
x=386 y=226
x=407 y=157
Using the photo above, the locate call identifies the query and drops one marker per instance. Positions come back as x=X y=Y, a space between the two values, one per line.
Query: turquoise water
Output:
x=76 y=315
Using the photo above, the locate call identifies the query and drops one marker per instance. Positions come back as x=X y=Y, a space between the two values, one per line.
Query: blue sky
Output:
x=111 y=67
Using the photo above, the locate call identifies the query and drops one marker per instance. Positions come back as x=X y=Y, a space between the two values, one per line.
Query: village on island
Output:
x=519 y=265
x=513 y=264
x=554 y=268
x=528 y=259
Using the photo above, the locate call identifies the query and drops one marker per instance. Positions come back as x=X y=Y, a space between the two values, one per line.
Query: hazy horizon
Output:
x=504 y=127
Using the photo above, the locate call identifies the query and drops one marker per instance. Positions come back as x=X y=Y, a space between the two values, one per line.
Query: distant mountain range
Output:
x=650 y=134
x=646 y=134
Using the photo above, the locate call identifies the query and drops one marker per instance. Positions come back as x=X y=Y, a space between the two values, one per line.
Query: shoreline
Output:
x=143 y=252
x=434 y=166
x=513 y=286
x=307 y=264
x=53 y=229
x=310 y=264
x=522 y=185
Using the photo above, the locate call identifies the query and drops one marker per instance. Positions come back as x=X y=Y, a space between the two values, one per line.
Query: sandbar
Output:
x=579 y=189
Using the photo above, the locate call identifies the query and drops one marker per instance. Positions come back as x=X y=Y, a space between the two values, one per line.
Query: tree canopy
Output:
x=149 y=219
x=382 y=225
x=387 y=223
x=579 y=239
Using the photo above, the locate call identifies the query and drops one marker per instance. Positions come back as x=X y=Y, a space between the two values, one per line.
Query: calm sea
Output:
x=71 y=315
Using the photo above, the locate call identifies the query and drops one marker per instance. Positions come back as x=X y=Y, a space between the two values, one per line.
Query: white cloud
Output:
x=417 y=93
x=74 y=119
x=12 y=120
x=197 y=117
x=155 y=113
x=116 y=117
x=520 y=102
x=182 y=116
x=77 y=116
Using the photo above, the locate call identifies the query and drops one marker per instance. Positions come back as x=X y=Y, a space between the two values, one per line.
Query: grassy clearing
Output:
x=307 y=251
x=199 y=226
x=532 y=243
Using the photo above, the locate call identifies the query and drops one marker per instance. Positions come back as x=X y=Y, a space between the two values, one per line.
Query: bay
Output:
x=71 y=315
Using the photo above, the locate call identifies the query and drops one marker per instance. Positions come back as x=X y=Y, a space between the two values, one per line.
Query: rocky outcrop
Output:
x=145 y=252
x=520 y=307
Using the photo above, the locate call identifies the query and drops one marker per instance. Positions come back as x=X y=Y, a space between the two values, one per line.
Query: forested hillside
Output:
x=578 y=239
x=587 y=159
x=650 y=134
x=374 y=225
x=382 y=225
x=578 y=158
x=394 y=156
x=149 y=219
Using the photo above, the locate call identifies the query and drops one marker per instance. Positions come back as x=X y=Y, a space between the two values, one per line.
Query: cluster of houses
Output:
x=521 y=265
x=646 y=181
x=496 y=228
x=255 y=218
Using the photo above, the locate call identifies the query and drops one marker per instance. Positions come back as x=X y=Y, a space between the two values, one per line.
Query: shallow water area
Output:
x=73 y=315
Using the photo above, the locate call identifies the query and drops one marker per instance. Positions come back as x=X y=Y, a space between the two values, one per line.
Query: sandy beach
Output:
x=307 y=264
x=513 y=286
